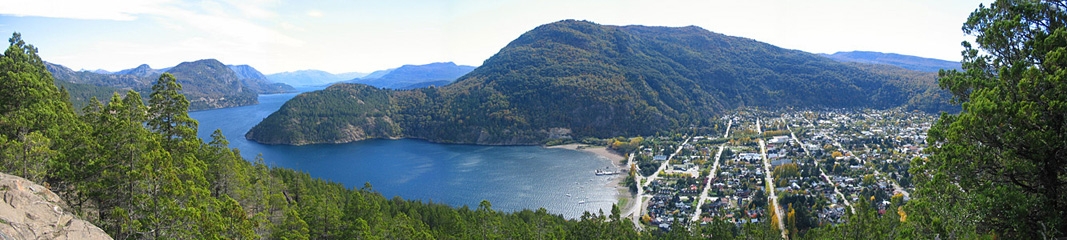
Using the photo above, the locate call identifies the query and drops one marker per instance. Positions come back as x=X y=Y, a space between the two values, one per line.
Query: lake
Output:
x=510 y=177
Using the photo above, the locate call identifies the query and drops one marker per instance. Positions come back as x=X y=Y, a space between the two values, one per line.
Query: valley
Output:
x=578 y=79
x=795 y=169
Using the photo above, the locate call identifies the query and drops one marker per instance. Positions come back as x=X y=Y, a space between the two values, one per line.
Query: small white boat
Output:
x=599 y=172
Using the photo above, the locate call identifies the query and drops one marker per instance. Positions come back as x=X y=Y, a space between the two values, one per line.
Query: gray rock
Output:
x=31 y=211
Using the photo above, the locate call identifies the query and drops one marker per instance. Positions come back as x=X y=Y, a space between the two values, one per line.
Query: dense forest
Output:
x=577 y=78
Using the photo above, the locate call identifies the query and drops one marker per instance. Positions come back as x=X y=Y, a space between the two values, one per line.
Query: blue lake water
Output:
x=510 y=177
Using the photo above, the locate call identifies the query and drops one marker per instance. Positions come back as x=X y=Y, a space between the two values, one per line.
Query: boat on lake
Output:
x=599 y=172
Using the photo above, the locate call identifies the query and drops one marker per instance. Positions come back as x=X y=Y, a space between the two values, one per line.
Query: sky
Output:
x=363 y=36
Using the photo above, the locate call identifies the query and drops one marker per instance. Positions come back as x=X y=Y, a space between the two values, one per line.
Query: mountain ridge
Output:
x=207 y=83
x=591 y=80
x=899 y=60
x=409 y=76
x=594 y=80
x=311 y=77
x=258 y=82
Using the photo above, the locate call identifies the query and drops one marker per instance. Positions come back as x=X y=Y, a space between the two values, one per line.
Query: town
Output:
x=797 y=169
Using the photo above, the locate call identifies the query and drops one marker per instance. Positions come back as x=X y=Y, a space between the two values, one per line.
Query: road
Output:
x=634 y=210
x=758 y=129
x=770 y=181
x=770 y=187
x=728 y=124
x=892 y=181
x=637 y=209
x=665 y=163
x=711 y=175
x=821 y=172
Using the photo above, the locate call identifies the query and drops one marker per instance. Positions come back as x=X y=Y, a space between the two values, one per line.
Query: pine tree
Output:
x=35 y=121
x=169 y=112
x=1000 y=165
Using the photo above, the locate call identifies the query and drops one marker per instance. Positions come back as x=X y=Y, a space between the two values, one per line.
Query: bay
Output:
x=510 y=177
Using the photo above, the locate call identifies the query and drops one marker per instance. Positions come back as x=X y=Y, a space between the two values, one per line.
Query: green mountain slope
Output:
x=576 y=78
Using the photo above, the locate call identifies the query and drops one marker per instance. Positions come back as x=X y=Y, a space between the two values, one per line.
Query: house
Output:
x=748 y=156
x=776 y=163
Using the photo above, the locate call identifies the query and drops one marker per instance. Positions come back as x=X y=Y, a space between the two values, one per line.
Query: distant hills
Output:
x=377 y=74
x=416 y=76
x=206 y=83
x=303 y=78
x=904 y=61
x=258 y=82
x=142 y=70
x=579 y=79
x=404 y=77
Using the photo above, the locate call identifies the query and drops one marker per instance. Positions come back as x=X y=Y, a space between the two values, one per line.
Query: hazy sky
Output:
x=351 y=35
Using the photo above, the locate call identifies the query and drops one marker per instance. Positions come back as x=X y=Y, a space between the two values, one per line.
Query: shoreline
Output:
x=622 y=193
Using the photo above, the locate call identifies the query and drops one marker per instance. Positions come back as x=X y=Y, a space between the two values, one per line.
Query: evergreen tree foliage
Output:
x=1000 y=166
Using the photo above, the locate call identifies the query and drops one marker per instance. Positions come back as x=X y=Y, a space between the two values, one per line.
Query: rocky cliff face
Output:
x=31 y=211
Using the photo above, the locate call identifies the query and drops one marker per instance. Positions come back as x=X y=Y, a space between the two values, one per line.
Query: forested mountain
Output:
x=311 y=77
x=407 y=76
x=257 y=82
x=904 y=61
x=582 y=79
x=208 y=83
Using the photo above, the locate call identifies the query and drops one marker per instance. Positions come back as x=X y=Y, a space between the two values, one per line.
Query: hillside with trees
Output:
x=589 y=80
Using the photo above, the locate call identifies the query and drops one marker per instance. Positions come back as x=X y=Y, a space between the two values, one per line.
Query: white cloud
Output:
x=120 y=10
x=314 y=13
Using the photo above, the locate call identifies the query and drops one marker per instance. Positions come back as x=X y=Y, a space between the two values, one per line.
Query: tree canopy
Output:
x=1000 y=166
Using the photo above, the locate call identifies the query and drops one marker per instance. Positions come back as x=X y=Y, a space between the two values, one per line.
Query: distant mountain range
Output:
x=581 y=79
x=416 y=76
x=258 y=82
x=304 y=78
x=904 y=61
x=377 y=74
x=206 y=83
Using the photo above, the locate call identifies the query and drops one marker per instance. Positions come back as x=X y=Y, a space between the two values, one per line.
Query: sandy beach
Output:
x=623 y=194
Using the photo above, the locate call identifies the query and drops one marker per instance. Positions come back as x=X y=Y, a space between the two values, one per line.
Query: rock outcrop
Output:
x=31 y=211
